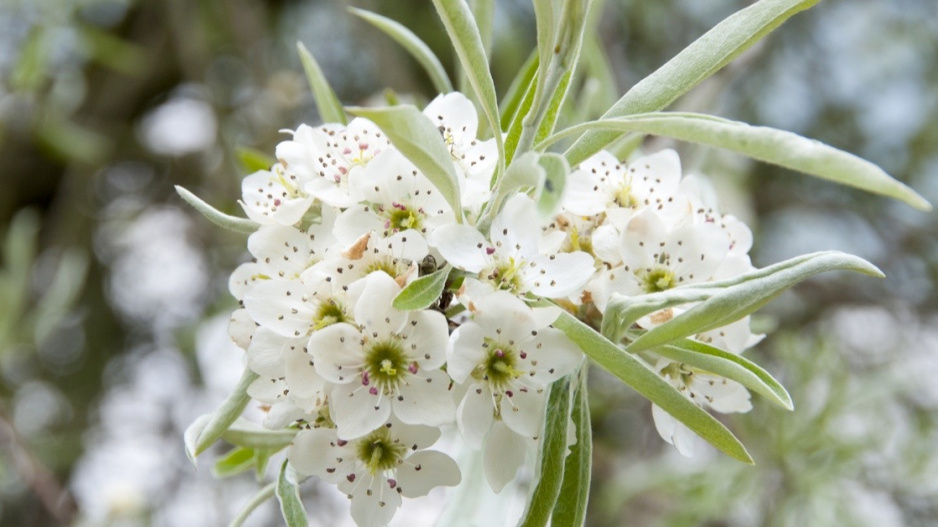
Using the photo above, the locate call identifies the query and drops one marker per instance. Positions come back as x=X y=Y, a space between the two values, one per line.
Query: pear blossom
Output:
x=283 y=252
x=507 y=355
x=475 y=160
x=656 y=258
x=398 y=256
x=375 y=471
x=705 y=389
x=393 y=196
x=325 y=157
x=602 y=184
x=275 y=197
x=519 y=257
x=383 y=361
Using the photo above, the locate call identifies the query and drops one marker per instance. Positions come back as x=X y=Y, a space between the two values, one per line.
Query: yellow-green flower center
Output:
x=498 y=369
x=658 y=280
x=378 y=452
x=506 y=276
x=386 y=364
x=329 y=312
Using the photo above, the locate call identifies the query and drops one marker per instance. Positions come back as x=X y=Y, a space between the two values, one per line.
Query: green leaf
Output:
x=524 y=174
x=570 y=510
x=516 y=126
x=330 y=109
x=650 y=385
x=288 y=494
x=744 y=295
x=553 y=451
x=422 y=292
x=698 y=61
x=262 y=495
x=232 y=223
x=412 y=43
x=511 y=101
x=418 y=139
x=199 y=438
x=463 y=32
x=261 y=459
x=729 y=365
x=251 y=160
x=234 y=462
x=765 y=144
x=556 y=171
x=246 y=434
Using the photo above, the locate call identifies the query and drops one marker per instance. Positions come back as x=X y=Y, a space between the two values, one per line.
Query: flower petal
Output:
x=504 y=454
x=374 y=505
x=558 y=275
x=523 y=410
x=336 y=353
x=356 y=411
x=422 y=471
x=425 y=400
x=475 y=414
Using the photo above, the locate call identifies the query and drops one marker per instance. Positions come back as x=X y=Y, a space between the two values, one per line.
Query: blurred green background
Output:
x=113 y=297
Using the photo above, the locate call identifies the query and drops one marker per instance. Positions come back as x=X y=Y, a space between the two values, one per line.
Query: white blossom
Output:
x=518 y=257
x=507 y=355
x=384 y=361
x=376 y=470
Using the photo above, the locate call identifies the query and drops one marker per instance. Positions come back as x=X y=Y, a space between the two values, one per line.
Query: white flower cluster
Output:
x=347 y=222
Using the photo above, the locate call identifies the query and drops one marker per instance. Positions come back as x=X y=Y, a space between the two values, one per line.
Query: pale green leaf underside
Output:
x=225 y=221
x=213 y=426
x=698 y=61
x=330 y=109
x=650 y=385
x=412 y=43
x=422 y=292
x=570 y=509
x=550 y=467
x=765 y=144
x=411 y=132
x=246 y=434
x=750 y=292
x=234 y=462
x=556 y=170
x=458 y=20
x=288 y=494
x=729 y=365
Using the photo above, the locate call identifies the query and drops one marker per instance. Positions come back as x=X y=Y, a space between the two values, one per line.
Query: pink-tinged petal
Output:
x=337 y=354
x=466 y=351
x=374 y=505
x=673 y=432
x=423 y=471
x=504 y=454
x=516 y=230
x=266 y=353
x=373 y=308
x=427 y=337
x=550 y=356
x=523 y=410
x=462 y=246
x=316 y=453
x=425 y=400
x=241 y=328
x=280 y=306
x=475 y=415
x=356 y=411
x=558 y=275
